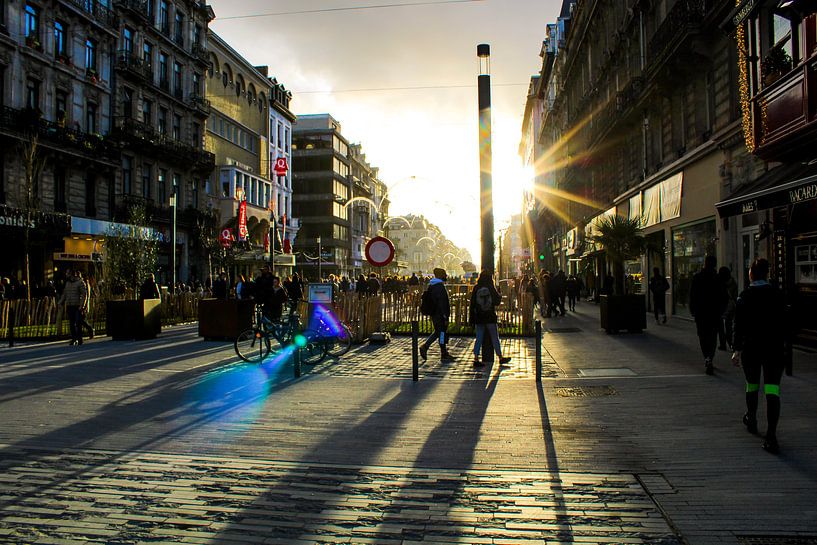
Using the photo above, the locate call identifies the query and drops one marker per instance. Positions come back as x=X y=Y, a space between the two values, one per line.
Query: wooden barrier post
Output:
x=538 y=327
x=11 y=330
x=415 y=350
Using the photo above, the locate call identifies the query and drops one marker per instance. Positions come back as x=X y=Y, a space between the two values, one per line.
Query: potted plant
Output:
x=775 y=64
x=130 y=256
x=622 y=241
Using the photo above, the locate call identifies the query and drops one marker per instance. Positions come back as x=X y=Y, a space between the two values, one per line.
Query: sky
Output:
x=359 y=66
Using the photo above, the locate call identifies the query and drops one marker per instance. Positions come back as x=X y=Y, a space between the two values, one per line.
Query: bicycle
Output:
x=337 y=336
x=265 y=337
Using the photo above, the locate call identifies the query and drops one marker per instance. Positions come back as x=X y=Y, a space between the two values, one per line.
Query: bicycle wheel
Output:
x=340 y=344
x=315 y=348
x=252 y=345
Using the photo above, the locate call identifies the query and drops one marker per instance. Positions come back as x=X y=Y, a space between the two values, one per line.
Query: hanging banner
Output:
x=226 y=237
x=266 y=243
x=242 y=221
x=281 y=167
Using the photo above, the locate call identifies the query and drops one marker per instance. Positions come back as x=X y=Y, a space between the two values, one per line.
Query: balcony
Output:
x=138 y=8
x=784 y=114
x=95 y=11
x=628 y=97
x=23 y=122
x=684 y=18
x=132 y=133
x=199 y=52
x=132 y=66
x=201 y=104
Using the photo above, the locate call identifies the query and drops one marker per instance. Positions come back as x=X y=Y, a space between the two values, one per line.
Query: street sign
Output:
x=320 y=293
x=281 y=167
x=226 y=237
x=379 y=251
x=284 y=260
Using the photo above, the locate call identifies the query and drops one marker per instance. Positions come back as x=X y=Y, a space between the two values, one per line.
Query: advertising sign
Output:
x=242 y=221
x=320 y=293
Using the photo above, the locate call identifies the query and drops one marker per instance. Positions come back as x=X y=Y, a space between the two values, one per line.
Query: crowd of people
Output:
x=550 y=292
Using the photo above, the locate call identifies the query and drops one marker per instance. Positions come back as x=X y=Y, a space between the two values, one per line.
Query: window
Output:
x=147 y=58
x=150 y=9
x=127 y=103
x=127 y=40
x=32 y=28
x=164 y=18
x=177 y=190
x=90 y=55
x=90 y=194
x=32 y=94
x=59 y=40
x=61 y=107
x=147 y=177
x=161 y=187
x=163 y=76
x=196 y=84
x=197 y=34
x=196 y=135
x=177 y=127
x=59 y=190
x=147 y=112
x=195 y=195
x=127 y=174
x=177 y=80
x=163 y=120
x=178 y=28
x=90 y=118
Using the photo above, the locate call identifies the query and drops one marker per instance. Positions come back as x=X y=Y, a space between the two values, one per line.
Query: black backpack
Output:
x=427 y=303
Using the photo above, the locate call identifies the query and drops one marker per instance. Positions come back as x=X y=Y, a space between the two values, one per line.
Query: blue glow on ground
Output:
x=331 y=322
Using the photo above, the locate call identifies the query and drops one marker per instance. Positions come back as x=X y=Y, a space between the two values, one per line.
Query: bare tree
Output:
x=33 y=162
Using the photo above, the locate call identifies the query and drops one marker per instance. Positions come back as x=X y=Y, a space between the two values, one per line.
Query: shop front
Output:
x=691 y=243
x=45 y=231
x=778 y=223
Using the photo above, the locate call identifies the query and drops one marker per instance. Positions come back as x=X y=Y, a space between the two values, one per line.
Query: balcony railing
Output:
x=94 y=10
x=29 y=122
x=137 y=7
x=132 y=65
x=199 y=103
x=143 y=135
x=685 y=16
x=199 y=52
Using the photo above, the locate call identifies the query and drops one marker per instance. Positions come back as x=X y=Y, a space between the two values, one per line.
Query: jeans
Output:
x=75 y=320
x=659 y=304
x=707 y=335
x=493 y=332
x=440 y=333
x=571 y=300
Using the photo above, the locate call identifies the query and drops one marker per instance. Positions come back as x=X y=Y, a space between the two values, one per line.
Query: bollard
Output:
x=296 y=360
x=415 y=350
x=538 y=351
x=11 y=330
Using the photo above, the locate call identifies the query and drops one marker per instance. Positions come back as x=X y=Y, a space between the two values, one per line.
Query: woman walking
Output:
x=482 y=313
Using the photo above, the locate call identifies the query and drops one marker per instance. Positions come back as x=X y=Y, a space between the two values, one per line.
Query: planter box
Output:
x=623 y=312
x=225 y=318
x=126 y=320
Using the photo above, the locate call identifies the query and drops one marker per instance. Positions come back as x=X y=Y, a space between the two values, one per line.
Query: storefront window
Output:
x=806 y=264
x=690 y=245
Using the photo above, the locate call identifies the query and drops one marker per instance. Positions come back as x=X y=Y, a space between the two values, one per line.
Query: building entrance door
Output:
x=748 y=250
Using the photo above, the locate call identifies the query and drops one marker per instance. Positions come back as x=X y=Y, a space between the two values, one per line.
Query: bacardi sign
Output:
x=803 y=193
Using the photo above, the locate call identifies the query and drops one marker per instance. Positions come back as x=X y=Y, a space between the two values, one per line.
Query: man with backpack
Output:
x=435 y=303
x=482 y=313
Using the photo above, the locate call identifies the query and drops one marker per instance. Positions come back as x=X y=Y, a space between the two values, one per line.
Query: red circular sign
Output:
x=281 y=166
x=379 y=251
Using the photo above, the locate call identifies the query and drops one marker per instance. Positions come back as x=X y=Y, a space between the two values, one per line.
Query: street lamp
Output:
x=485 y=158
x=273 y=232
x=320 y=276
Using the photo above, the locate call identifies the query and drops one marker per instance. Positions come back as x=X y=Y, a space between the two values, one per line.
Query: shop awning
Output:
x=790 y=184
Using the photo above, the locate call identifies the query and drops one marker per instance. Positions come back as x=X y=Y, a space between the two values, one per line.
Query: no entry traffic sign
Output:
x=379 y=251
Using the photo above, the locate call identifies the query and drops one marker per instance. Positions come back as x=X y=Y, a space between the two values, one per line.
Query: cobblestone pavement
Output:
x=107 y=497
x=393 y=361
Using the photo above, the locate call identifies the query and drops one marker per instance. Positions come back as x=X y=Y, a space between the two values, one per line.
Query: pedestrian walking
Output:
x=440 y=310
x=220 y=286
x=728 y=317
x=572 y=288
x=558 y=287
x=75 y=299
x=482 y=315
x=295 y=290
x=362 y=286
x=545 y=292
x=760 y=335
x=150 y=289
x=658 y=288
x=707 y=301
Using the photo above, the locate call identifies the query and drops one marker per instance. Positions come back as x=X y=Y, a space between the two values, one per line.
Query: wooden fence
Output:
x=44 y=318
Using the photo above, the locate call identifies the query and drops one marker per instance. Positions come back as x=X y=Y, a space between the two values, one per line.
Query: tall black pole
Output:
x=485 y=159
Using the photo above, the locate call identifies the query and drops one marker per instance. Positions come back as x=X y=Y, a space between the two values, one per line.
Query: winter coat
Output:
x=75 y=293
x=707 y=298
x=478 y=316
x=761 y=325
x=439 y=295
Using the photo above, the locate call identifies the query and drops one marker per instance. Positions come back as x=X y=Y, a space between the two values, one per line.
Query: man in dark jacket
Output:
x=659 y=287
x=759 y=341
x=439 y=316
x=558 y=286
x=707 y=301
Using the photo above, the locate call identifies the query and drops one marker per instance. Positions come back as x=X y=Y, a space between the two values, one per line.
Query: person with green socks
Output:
x=759 y=340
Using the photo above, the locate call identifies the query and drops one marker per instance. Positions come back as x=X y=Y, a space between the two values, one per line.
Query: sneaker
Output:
x=504 y=360
x=424 y=352
x=771 y=446
x=750 y=423
x=91 y=334
x=478 y=363
x=710 y=369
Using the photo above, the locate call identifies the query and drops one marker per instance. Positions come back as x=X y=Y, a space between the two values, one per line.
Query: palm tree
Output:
x=622 y=240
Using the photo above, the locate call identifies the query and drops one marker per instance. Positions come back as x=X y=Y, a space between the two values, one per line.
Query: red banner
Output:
x=226 y=237
x=266 y=242
x=242 y=221
x=281 y=167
